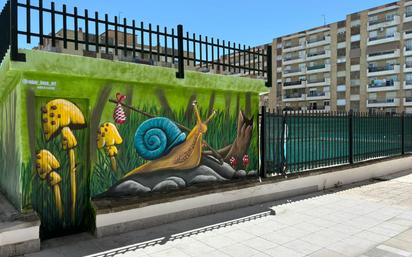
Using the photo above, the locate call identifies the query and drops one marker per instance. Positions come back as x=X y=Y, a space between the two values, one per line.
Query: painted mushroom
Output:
x=46 y=164
x=108 y=137
x=60 y=116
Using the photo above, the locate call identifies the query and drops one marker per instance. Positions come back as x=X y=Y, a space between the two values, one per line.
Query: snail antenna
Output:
x=210 y=117
x=199 y=119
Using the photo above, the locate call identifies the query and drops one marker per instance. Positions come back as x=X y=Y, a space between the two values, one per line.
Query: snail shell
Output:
x=156 y=137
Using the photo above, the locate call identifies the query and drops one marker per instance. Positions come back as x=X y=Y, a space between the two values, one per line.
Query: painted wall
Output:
x=74 y=145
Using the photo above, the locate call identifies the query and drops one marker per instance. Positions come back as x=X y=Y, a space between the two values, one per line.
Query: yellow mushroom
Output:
x=108 y=137
x=60 y=116
x=46 y=163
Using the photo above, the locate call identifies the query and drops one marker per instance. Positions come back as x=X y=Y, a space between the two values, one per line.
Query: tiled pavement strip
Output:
x=371 y=219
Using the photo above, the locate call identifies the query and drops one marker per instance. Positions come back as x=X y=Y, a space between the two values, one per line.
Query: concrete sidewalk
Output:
x=368 y=219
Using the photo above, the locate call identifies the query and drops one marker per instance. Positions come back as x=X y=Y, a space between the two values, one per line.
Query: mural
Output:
x=73 y=133
x=170 y=155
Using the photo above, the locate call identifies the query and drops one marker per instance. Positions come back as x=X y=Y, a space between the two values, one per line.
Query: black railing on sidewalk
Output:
x=58 y=29
x=299 y=141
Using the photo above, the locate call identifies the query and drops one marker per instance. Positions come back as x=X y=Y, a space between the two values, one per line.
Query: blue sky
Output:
x=247 y=22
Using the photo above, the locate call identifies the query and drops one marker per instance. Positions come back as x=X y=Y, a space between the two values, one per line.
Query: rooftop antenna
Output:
x=324 y=19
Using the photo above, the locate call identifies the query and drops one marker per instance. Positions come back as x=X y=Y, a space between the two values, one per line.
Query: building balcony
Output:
x=318 y=68
x=383 y=70
x=383 y=85
x=318 y=55
x=407 y=35
x=383 y=55
x=383 y=39
x=316 y=95
x=341 y=88
x=407 y=17
x=381 y=23
x=407 y=101
x=318 y=82
x=407 y=68
x=407 y=84
x=390 y=102
x=293 y=72
x=293 y=48
x=407 y=50
x=294 y=84
x=294 y=59
x=294 y=98
x=318 y=42
x=341 y=102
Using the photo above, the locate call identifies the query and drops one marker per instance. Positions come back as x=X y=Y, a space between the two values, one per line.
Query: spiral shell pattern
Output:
x=156 y=137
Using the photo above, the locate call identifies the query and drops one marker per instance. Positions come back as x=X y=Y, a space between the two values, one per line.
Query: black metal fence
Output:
x=295 y=141
x=95 y=35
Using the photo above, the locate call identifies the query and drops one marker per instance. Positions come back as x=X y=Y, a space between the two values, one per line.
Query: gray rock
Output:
x=240 y=174
x=131 y=187
x=252 y=173
x=203 y=179
x=179 y=181
x=166 y=185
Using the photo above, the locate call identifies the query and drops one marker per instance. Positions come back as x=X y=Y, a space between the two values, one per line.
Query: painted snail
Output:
x=155 y=138
x=161 y=142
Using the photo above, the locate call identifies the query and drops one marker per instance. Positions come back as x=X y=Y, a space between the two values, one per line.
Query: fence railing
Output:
x=94 y=35
x=293 y=142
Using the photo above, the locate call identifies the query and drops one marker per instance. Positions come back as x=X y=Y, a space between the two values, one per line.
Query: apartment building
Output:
x=363 y=63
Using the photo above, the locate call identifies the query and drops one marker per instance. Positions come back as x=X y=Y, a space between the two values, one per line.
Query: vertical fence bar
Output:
x=229 y=57
x=207 y=52
x=282 y=141
x=200 y=51
x=53 y=24
x=180 y=74
x=41 y=22
x=165 y=43
x=116 y=39
x=142 y=39
x=187 y=49
x=223 y=56
x=269 y=66
x=350 y=133
x=194 y=49
x=124 y=37
x=64 y=26
x=173 y=46
x=403 y=133
x=76 y=30
x=150 y=42
x=96 y=30
x=14 y=47
x=86 y=28
x=262 y=143
x=28 y=21
x=158 y=42
x=106 y=37
x=213 y=53
x=134 y=38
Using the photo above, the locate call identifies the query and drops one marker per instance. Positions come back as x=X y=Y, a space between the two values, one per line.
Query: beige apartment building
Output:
x=363 y=63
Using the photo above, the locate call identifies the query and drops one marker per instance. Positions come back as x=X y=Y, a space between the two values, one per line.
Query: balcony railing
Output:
x=316 y=93
x=408 y=99
x=408 y=14
x=381 y=83
x=408 y=64
x=293 y=96
x=314 y=40
x=386 y=19
x=381 y=37
x=381 y=101
x=291 y=45
x=292 y=83
x=382 y=68
x=293 y=70
x=291 y=58
x=317 y=67
x=316 y=54
x=408 y=82
x=313 y=81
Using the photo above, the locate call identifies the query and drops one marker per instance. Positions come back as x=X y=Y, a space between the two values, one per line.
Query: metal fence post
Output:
x=262 y=143
x=282 y=143
x=180 y=74
x=350 y=128
x=14 y=46
x=403 y=132
x=269 y=65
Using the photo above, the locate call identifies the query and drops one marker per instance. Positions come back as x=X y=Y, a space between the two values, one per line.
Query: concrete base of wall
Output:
x=113 y=220
x=19 y=233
